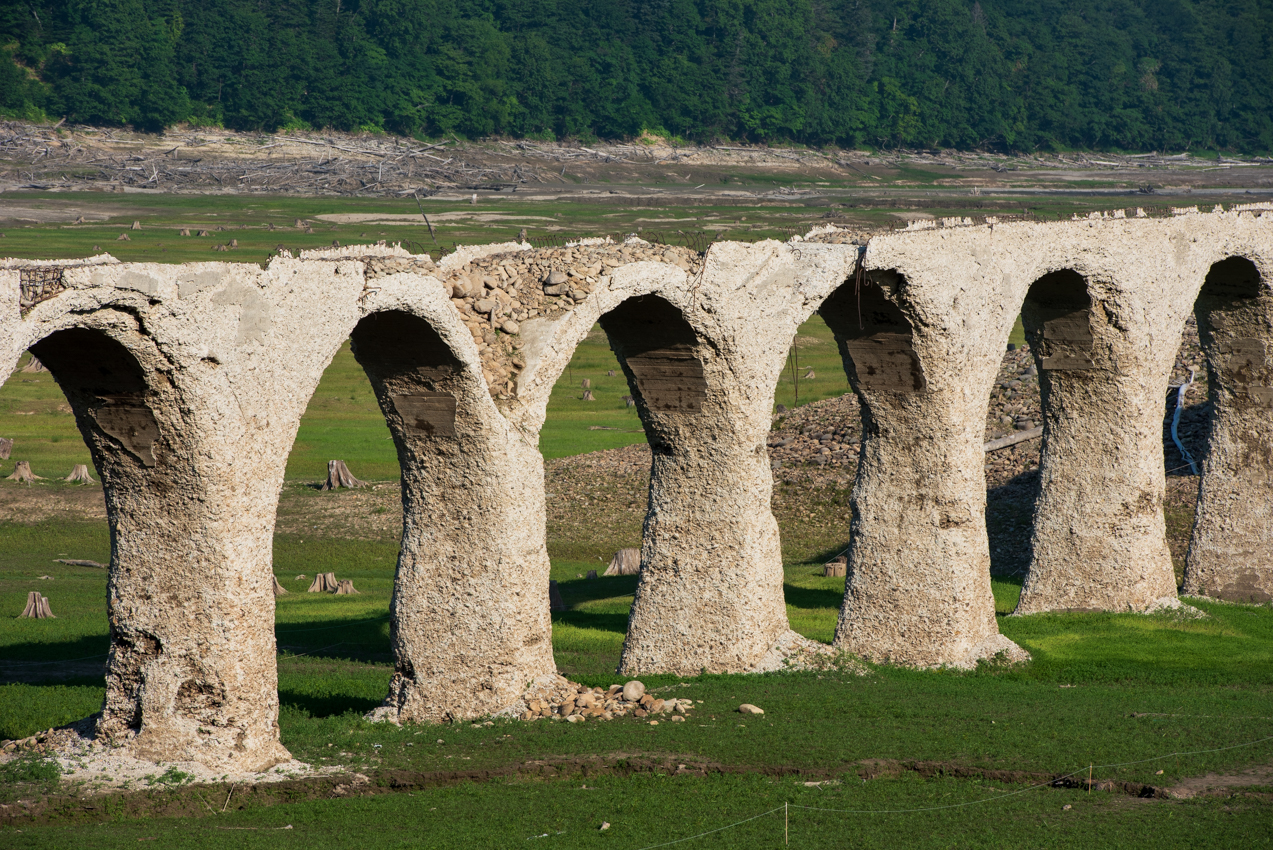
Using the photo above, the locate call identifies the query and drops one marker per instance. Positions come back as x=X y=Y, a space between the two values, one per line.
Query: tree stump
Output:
x=610 y=373
x=23 y=474
x=34 y=365
x=587 y=395
x=345 y=588
x=279 y=590
x=338 y=475
x=136 y=225
x=79 y=475
x=37 y=607
x=626 y=562
x=323 y=583
x=592 y=573
x=555 y=602
x=809 y=376
x=586 y=385
x=629 y=401
x=837 y=567
x=6 y=446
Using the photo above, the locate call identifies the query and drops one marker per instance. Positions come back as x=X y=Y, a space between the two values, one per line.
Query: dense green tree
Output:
x=1006 y=74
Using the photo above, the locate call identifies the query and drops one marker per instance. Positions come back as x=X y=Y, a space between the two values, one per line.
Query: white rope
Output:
x=1175 y=422
x=710 y=831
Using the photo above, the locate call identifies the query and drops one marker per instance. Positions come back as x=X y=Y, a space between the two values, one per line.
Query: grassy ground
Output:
x=1102 y=689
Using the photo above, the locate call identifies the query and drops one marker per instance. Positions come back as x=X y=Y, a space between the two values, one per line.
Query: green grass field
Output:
x=1103 y=689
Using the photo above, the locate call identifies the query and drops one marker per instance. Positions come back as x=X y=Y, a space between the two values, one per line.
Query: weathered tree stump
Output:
x=629 y=401
x=610 y=373
x=555 y=602
x=809 y=376
x=6 y=446
x=323 y=583
x=626 y=562
x=34 y=365
x=837 y=566
x=338 y=475
x=345 y=587
x=592 y=573
x=37 y=607
x=79 y=475
x=586 y=385
x=136 y=225
x=587 y=395
x=23 y=474
x=279 y=590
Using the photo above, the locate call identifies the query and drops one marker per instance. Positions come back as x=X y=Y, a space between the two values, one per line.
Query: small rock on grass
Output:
x=748 y=708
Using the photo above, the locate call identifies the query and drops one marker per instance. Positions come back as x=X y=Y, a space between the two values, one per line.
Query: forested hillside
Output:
x=1005 y=74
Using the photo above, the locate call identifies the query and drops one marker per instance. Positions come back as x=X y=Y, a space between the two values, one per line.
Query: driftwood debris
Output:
x=837 y=566
x=22 y=473
x=279 y=590
x=338 y=475
x=555 y=602
x=6 y=446
x=345 y=587
x=34 y=365
x=324 y=583
x=626 y=562
x=79 y=562
x=37 y=607
x=1013 y=439
x=79 y=475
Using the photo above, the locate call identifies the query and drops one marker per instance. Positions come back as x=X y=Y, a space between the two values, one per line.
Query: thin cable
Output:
x=710 y=832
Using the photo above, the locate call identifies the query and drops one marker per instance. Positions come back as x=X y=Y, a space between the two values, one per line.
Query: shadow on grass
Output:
x=812 y=597
x=333 y=705
x=579 y=591
x=617 y=623
x=362 y=640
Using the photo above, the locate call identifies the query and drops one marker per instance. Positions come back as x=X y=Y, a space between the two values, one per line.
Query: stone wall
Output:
x=188 y=383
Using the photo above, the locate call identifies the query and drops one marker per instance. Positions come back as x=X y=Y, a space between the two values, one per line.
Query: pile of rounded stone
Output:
x=576 y=703
x=378 y=267
x=496 y=293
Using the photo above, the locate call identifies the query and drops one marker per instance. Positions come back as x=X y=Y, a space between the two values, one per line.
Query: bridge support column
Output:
x=918 y=586
x=1231 y=553
x=1099 y=540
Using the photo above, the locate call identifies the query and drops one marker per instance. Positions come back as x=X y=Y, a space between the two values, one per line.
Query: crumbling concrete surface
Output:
x=1231 y=554
x=188 y=383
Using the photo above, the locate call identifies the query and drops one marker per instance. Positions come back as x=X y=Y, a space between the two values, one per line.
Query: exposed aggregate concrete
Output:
x=188 y=384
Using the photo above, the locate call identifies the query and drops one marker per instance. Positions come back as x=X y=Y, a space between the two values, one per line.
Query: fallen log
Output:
x=1012 y=439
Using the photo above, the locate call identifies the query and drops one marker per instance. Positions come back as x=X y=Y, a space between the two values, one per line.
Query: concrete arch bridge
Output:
x=188 y=384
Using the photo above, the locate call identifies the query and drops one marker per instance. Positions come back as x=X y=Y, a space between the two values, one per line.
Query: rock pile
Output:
x=378 y=267
x=558 y=698
x=498 y=292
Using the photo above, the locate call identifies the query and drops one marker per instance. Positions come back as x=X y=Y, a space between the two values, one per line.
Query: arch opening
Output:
x=1057 y=315
x=874 y=336
x=107 y=389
